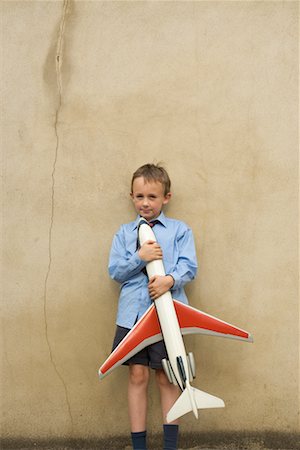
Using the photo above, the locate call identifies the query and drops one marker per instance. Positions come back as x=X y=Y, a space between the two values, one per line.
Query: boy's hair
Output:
x=153 y=172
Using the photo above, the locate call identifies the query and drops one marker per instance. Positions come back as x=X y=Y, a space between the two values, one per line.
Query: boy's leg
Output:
x=169 y=393
x=137 y=396
x=137 y=391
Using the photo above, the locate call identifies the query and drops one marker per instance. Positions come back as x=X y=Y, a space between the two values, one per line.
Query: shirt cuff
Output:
x=175 y=284
x=136 y=262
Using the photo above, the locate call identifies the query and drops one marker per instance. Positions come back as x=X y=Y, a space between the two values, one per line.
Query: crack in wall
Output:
x=58 y=65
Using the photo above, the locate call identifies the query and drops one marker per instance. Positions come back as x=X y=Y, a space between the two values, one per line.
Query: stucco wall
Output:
x=92 y=90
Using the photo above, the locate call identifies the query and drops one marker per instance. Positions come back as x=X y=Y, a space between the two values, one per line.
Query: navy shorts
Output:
x=150 y=356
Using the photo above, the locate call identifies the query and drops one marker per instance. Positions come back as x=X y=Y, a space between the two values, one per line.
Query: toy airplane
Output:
x=169 y=319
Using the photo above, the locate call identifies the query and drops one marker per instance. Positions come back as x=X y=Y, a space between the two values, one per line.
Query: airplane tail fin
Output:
x=193 y=399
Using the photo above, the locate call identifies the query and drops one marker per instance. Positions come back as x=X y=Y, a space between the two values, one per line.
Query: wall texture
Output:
x=92 y=90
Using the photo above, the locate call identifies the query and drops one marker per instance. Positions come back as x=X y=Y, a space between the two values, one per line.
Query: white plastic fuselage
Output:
x=166 y=314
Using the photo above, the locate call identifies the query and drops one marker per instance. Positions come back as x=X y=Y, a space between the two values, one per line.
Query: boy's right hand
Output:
x=150 y=251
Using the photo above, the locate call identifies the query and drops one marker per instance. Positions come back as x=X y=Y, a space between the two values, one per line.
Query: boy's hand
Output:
x=150 y=251
x=158 y=285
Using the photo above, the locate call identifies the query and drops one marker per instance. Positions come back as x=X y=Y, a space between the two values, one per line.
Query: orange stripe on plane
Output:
x=189 y=317
x=147 y=327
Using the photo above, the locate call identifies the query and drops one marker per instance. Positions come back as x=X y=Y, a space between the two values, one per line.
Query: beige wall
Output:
x=93 y=90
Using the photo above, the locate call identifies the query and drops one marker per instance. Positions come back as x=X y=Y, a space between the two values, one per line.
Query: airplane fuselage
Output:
x=167 y=317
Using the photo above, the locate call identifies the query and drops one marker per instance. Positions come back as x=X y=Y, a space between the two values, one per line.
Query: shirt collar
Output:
x=161 y=218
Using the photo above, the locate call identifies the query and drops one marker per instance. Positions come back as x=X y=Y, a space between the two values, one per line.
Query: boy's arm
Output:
x=122 y=266
x=186 y=266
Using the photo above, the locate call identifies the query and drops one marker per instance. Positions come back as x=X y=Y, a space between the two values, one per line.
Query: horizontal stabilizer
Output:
x=184 y=403
x=192 y=320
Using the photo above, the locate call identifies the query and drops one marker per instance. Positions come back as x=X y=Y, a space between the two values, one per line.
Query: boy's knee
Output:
x=161 y=378
x=138 y=374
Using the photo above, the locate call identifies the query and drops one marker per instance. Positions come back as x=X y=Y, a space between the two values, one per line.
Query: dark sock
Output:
x=139 y=440
x=170 y=437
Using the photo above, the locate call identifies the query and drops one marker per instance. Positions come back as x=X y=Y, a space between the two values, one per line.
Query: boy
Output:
x=150 y=191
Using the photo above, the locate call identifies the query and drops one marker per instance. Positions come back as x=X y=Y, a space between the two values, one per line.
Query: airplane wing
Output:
x=191 y=320
x=145 y=332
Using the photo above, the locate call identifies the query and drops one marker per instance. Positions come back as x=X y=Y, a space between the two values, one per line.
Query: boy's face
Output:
x=148 y=198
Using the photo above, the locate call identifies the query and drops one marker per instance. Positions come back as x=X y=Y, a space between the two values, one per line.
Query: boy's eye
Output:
x=139 y=196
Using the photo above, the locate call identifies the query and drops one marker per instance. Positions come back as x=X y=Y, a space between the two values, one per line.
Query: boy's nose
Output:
x=145 y=201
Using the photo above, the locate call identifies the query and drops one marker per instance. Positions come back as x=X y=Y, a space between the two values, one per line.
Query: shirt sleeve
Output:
x=122 y=266
x=186 y=267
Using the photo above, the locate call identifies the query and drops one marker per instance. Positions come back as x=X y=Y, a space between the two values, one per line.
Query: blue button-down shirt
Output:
x=125 y=265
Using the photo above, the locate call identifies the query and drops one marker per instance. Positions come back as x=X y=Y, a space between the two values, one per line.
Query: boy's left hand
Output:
x=159 y=284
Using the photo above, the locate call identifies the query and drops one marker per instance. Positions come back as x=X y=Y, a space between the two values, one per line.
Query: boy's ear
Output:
x=167 y=198
x=131 y=194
